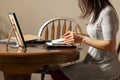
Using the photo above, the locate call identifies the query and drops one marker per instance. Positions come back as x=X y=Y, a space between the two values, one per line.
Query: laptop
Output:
x=23 y=40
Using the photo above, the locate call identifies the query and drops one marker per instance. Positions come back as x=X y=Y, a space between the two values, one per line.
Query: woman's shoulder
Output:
x=109 y=10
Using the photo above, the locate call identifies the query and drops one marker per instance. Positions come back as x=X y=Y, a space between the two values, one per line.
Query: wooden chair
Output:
x=54 y=29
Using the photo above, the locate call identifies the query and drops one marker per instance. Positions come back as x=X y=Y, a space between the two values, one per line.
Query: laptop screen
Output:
x=17 y=30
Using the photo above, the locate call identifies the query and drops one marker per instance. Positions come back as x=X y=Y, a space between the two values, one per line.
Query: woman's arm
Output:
x=107 y=45
x=71 y=37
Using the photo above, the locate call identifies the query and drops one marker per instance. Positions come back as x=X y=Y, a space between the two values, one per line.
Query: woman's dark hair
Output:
x=89 y=6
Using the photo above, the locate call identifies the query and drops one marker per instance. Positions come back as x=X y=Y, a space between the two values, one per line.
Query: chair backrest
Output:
x=55 y=28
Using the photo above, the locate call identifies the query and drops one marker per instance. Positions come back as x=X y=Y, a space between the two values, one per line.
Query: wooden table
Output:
x=18 y=63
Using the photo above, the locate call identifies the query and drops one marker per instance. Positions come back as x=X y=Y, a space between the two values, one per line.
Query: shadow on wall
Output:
x=4 y=29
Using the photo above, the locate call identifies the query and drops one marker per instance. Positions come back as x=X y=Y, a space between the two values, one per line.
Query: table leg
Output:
x=17 y=76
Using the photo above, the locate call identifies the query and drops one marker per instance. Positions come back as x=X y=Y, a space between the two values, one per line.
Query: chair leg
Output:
x=42 y=76
x=43 y=71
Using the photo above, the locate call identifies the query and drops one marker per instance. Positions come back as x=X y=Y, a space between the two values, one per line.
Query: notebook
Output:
x=23 y=40
x=59 y=43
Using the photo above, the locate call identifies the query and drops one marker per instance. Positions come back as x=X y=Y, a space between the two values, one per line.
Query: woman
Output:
x=101 y=62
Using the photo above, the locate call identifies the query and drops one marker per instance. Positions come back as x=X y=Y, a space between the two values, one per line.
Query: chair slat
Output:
x=46 y=33
x=75 y=29
x=64 y=27
x=58 y=30
x=52 y=30
x=70 y=26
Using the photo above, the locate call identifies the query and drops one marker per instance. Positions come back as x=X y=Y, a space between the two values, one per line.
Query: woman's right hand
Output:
x=72 y=37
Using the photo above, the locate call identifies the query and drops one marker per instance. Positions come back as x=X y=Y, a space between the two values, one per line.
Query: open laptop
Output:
x=23 y=40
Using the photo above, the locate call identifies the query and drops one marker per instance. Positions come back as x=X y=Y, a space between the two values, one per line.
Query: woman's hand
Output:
x=72 y=37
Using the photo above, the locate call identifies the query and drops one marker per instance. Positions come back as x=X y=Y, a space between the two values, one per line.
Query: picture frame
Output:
x=16 y=28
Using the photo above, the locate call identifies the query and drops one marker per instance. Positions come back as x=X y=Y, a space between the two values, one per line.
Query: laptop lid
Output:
x=17 y=30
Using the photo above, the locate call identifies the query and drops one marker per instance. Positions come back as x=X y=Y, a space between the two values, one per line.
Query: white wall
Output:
x=116 y=3
x=33 y=13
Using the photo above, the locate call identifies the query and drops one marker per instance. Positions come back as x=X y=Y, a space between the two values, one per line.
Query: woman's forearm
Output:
x=108 y=45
